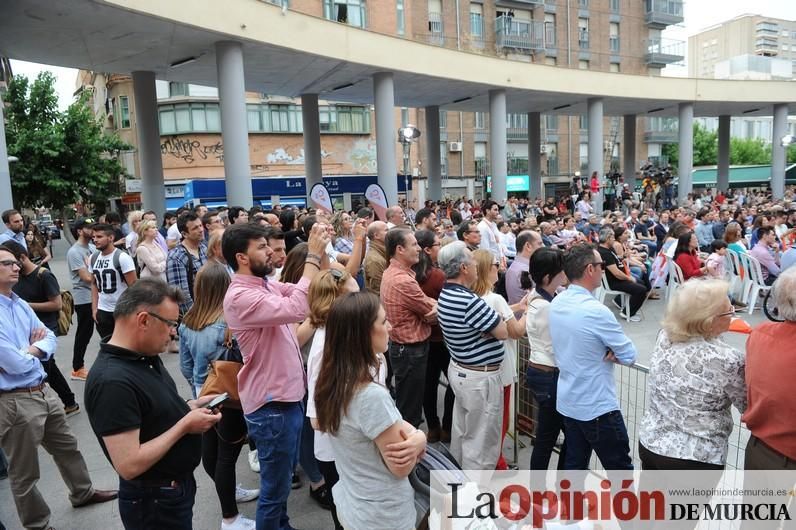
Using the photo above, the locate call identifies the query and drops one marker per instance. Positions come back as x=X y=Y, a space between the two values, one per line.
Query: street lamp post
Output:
x=406 y=136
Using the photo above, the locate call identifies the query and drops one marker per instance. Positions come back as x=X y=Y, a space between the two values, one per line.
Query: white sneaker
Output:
x=244 y=495
x=254 y=461
x=241 y=523
x=635 y=318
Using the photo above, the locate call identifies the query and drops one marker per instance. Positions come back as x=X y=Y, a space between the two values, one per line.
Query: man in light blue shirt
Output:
x=15 y=228
x=788 y=259
x=30 y=412
x=587 y=341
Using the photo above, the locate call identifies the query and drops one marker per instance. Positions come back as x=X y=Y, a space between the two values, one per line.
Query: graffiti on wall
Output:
x=363 y=156
x=189 y=150
x=280 y=155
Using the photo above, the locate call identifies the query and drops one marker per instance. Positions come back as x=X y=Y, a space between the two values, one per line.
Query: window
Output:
x=404 y=116
x=443 y=158
x=178 y=89
x=583 y=33
x=584 y=122
x=614 y=67
x=344 y=119
x=477 y=21
x=550 y=61
x=551 y=122
x=435 y=24
x=191 y=117
x=584 y=156
x=614 y=5
x=124 y=112
x=549 y=30
x=583 y=4
x=443 y=119
x=613 y=37
x=583 y=64
x=350 y=12
x=480 y=120
x=399 y=15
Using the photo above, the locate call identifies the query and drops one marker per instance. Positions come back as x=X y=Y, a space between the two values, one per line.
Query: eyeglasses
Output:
x=727 y=313
x=600 y=264
x=336 y=274
x=10 y=263
x=169 y=323
x=472 y=232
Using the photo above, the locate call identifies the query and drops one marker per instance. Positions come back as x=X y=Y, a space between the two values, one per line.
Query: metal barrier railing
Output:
x=631 y=390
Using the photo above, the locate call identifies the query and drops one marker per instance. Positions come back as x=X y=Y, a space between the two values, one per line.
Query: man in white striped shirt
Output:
x=473 y=333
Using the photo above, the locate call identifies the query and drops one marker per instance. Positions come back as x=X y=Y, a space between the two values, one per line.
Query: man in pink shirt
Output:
x=764 y=252
x=272 y=381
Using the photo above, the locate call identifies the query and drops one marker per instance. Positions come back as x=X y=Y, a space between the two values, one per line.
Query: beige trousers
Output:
x=477 y=417
x=29 y=420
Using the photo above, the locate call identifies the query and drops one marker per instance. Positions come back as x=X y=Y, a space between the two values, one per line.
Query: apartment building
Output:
x=620 y=36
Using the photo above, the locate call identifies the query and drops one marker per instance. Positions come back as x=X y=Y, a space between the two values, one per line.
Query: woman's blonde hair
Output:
x=211 y=284
x=693 y=307
x=133 y=216
x=484 y=261
x=214 y=245
x=324 y=289
x=143 y=228
x=337 y=224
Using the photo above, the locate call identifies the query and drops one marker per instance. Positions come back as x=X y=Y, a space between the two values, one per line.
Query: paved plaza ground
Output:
x=305 y=514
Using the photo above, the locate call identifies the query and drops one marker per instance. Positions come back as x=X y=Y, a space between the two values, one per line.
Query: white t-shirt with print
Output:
x=109 y=284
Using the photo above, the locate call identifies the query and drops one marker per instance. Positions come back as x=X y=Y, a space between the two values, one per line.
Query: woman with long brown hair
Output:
x=374 y=448
x=204 y=337
x=325 y=288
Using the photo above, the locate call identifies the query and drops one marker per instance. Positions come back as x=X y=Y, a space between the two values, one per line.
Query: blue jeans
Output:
x=307 y=450
x=606 y=435
x=144 y=505
x=549 y=422
x=276 y=430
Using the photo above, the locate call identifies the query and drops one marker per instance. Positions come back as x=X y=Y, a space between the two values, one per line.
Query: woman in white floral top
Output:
x=694 y=380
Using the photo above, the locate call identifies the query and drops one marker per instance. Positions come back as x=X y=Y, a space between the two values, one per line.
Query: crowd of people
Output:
x=336 y=328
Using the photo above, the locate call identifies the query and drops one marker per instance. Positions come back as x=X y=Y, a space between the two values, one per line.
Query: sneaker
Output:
x=240 y=523
x=79 y=375
x=254 y=461
x=296 y=482
x=72 y=410
x=244 y=495
x=635 y=318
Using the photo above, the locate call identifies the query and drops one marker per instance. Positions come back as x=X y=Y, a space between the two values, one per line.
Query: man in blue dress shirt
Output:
x=30 y=413
x=587 y=341
x=15 y=228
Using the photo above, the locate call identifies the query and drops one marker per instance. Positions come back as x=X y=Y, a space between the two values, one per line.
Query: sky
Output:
x=699 y=14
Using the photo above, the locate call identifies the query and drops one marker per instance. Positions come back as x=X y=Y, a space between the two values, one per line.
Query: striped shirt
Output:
x=466 y=320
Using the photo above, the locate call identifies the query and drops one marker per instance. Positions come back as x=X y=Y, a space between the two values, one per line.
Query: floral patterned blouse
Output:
x=692 y=385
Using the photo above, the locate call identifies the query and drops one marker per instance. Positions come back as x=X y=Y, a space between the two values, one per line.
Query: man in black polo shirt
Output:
x=147 y=431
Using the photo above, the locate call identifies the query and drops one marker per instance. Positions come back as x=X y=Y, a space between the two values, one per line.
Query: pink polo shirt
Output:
x=259 y=313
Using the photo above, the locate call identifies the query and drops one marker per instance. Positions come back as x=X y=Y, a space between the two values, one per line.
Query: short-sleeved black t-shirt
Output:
x=127 y=391
x=610 y=258
x=641 y=229
x=40 y=286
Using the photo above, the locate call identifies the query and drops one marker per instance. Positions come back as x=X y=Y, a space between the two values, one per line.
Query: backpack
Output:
x=116 y=262
x=67 y=309
x=65 y=315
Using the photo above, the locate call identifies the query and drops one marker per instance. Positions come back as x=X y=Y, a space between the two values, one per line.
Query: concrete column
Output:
x=234 y=125
x=497 y=144
x=595 y=113
x=6 y=200
x=311 y=123
x=153 y=193
x=470 y=193
x=534 y=154
x=723 y=168
x=778 y=151
x=629 y=151
x=686 y=153
x=386 y=135
x=433 y=169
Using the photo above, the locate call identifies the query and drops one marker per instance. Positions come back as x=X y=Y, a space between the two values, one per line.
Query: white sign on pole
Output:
x=133 y=185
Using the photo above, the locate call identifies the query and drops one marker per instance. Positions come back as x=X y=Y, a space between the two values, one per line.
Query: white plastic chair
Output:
x=756 y=284
x=604 y=290
x=742 y=281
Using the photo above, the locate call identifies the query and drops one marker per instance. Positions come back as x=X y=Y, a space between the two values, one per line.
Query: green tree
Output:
x=791 y=154
x=64 y=157
x=705 y=148
x=749 y=151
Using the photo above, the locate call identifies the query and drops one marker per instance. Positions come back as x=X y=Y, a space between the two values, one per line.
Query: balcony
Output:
x=520 y=36
x=660 y=130
x=532 y=3
x=661 y=52
x=583 y=39
x=435 y=29
x=662 y=13
x=516 y=133
x=766 y=46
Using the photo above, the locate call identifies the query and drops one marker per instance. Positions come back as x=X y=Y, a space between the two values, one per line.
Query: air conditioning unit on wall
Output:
x=455 y=147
